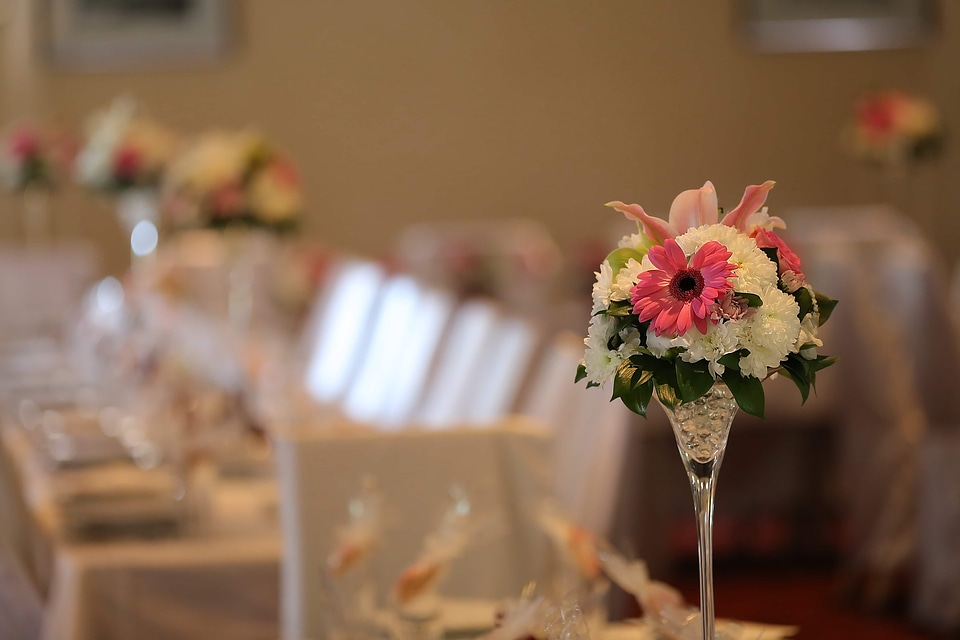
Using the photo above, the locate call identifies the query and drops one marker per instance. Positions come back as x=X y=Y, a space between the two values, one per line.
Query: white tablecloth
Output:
x=222 y=580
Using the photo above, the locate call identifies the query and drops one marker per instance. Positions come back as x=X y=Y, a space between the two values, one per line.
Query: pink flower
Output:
x=788 y=260
x=694 y=208
x=24 y=143
x=677 y=295
x=127 y=162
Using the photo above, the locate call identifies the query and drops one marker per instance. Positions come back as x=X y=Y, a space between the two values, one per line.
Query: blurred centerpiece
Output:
x=895 y=131
x=125 y=155
x=235 y=183
x=31 y=163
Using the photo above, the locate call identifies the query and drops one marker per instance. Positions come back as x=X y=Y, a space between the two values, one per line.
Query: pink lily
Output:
x=694 y=208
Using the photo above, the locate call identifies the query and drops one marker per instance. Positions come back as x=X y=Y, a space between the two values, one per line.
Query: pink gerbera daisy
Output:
x=678 y=294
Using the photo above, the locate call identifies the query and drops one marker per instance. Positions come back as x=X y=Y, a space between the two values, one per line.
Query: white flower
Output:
x=809 y=328
x=601 y=363
x=627 y=279
x=602 y=288
x=630 y=337
x=770 y=334
x=755 y=271
x=636 y=241
x=658 y=345
x=719 y=340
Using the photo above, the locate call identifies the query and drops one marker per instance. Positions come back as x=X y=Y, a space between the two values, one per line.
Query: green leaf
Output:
x=821 y=362
x=795 y=368
x=618 y=258
x=634 y=396
x=667 y=395
x=639 y=398
x=774 y=257
x=747 y=390
x=825 y=306
x=619 y=309
x=753 y=300
x=805 y=300
x=581 y=372
x=731 y=360
x=623 y=380
x=693 y=379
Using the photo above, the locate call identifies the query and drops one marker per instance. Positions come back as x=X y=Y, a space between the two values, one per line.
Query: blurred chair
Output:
x=899 y=357
x=503 y=468
x=41 y=289
x=408 y=324
x=336 y=332
x=484 y=358
x=590 y=432
x=515 y=261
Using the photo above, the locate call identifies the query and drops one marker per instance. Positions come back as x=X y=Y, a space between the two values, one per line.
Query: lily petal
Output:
x=654 y=228
x=694 y=208
x=753 y=198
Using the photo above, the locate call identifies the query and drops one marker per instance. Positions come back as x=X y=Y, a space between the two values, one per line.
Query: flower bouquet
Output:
x=124 y=150
x=232 y=180
x=893 y=129
x=125 y=155
x=700 y=311
x=31 y=160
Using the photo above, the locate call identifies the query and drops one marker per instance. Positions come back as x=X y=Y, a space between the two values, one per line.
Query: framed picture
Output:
x=100 y=35
x=837 y=25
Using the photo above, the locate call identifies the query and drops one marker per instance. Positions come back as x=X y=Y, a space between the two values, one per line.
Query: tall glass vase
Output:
x=701 y=428
x=35 y=205
x=138 y=212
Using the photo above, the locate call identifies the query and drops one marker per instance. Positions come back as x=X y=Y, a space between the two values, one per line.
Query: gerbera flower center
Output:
x=686 y=285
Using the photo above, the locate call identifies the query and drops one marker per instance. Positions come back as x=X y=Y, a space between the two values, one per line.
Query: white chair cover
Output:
x=591 y=436
x=504 y=469
x=41 y=288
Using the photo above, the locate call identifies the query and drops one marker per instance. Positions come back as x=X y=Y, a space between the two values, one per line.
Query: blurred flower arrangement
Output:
x=893 y=129
x=32 y=156
x=685 y=302
x=232 y=179
x=124 y=149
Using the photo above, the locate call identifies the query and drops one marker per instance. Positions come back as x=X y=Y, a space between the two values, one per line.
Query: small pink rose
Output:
x=789 y=261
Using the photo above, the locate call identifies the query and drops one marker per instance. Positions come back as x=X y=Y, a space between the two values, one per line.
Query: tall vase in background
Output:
x=240 y=251
x=138 y=212
x=35 y=209
x=702 y=428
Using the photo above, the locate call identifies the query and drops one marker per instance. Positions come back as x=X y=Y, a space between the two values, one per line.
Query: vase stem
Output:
x=701 y=428
x=703 y=478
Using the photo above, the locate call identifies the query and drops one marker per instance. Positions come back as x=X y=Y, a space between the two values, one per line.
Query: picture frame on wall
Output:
x=104 y=35
x=837 y=25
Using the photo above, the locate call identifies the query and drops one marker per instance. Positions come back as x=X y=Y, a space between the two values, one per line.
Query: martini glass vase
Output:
x=701 y=428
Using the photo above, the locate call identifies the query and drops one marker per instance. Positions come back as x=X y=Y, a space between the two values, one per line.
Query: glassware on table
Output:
x=701 y=429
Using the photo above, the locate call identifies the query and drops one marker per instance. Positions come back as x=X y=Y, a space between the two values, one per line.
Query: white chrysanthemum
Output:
x=809 y=328
x=658 y=345
x=636 y=241
x=601 y=363
x=770 y=334
x=626 y=279
x=718 y=341
x=602 y=287
x=755 y=271
x=630 y=337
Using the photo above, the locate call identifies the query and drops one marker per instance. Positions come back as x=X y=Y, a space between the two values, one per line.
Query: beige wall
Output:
x=406 y=110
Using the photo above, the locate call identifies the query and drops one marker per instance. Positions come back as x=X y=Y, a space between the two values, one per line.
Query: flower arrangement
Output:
x=31 y=156
x=893 y=128
x=696 y=299
x=232 y=179
x=124 y=149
